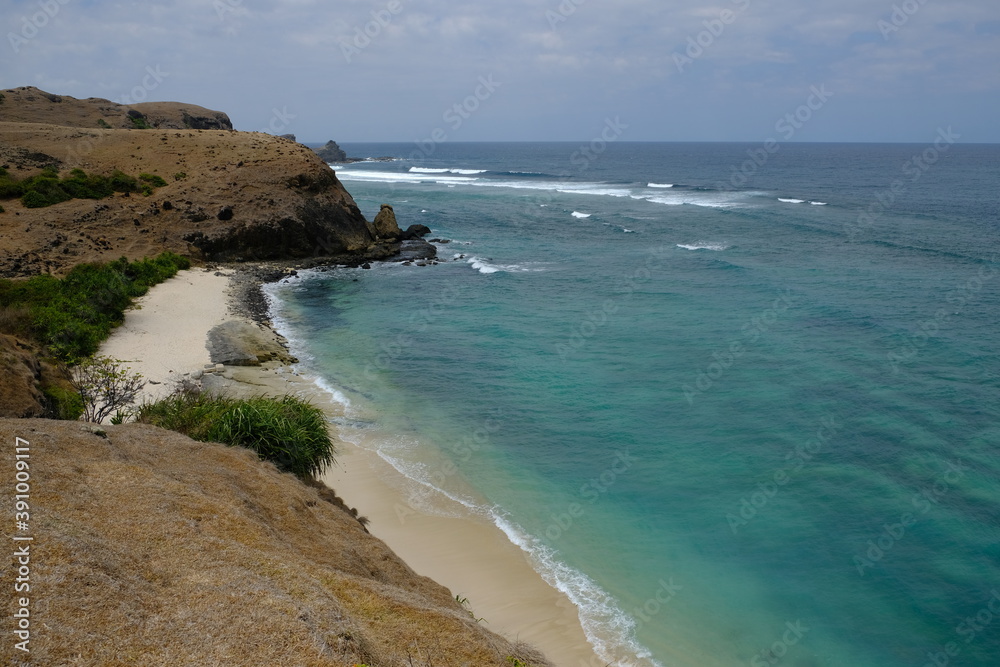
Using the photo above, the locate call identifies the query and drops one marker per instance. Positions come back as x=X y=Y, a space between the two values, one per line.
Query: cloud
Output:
x=361 y=70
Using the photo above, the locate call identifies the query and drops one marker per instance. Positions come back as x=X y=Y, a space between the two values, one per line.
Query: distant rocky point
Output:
x=331 y=153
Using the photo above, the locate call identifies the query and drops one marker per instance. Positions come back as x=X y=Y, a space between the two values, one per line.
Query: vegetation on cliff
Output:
x=72 y=315
x=46 y=188
x=289 y=432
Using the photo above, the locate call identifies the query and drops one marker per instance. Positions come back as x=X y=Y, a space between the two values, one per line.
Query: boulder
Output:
x=416 y=232
x=385 y=224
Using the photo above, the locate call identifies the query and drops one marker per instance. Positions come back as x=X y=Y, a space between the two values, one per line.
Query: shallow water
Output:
x=742 y=422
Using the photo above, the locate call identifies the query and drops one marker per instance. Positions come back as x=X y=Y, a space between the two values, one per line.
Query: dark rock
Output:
x=366 y=265
x=167 y=206
x=415 y=232
x=415 y=250
x=439 y=241
x=290 y=137
x=331 y=152
x=213 y=120
x=226 y=213
x=385 y=224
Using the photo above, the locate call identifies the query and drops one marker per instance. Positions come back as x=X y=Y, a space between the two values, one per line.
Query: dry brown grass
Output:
x=153 y=549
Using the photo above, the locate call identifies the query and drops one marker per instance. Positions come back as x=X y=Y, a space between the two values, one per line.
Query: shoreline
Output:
x=164 y=339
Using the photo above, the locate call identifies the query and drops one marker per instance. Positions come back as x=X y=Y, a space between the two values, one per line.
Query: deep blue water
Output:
x=750 y=419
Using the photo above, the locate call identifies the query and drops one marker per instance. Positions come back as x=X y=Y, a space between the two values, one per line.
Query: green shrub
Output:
x=180 y=175
x=64 y=403
x=2 y=210
x=139 y=123
x=74 y=314
x=103 y=123
x=121 y=182
x=288 y=432
x=153 y=180
x=46 y=188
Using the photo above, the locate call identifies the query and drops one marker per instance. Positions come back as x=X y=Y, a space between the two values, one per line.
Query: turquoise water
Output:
x=730 y=418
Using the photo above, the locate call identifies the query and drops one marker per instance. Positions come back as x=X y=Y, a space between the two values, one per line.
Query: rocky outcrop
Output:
x=416 y=232
x=230 y=196
x=385 y=224
x=331 y=152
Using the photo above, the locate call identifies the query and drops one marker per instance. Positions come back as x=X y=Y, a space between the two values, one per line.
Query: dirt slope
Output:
x=152 y=549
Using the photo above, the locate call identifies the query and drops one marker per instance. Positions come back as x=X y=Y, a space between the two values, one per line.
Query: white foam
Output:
x=429 y=170
x=792 y=201
x=818 y=203
x=398 y=177
x=628 y=231
x=608 y=628
x=718 y=200
x=482 y=265
x=659 y=185
x=702 y=245
x=577 y=214
x=593 y=189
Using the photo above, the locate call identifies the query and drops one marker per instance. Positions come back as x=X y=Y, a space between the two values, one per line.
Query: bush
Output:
x=2 y=209
x=46 y=189
x=153 y=180
x=73 y=315
x=289 y=432
x=105 y=387
x=64 y=403
x=103 y=124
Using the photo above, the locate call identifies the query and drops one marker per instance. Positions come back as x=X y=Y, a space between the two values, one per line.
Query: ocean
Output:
x=737 y=400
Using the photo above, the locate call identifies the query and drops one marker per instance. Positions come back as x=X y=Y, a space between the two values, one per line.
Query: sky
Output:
x=523 y=70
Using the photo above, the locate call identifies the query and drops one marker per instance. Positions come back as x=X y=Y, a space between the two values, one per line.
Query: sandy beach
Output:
x=164 y=339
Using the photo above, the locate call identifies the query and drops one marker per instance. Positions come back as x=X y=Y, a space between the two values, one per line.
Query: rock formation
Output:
x=385 y=224
x=331 y=152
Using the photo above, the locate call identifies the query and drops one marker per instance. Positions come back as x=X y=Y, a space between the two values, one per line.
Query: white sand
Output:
x=166 y=338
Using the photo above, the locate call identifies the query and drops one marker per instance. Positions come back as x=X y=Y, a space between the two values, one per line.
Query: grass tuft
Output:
x=289 y=432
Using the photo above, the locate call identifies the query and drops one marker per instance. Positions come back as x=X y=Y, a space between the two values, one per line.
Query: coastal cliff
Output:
x=228 y=196
x=151 y=548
